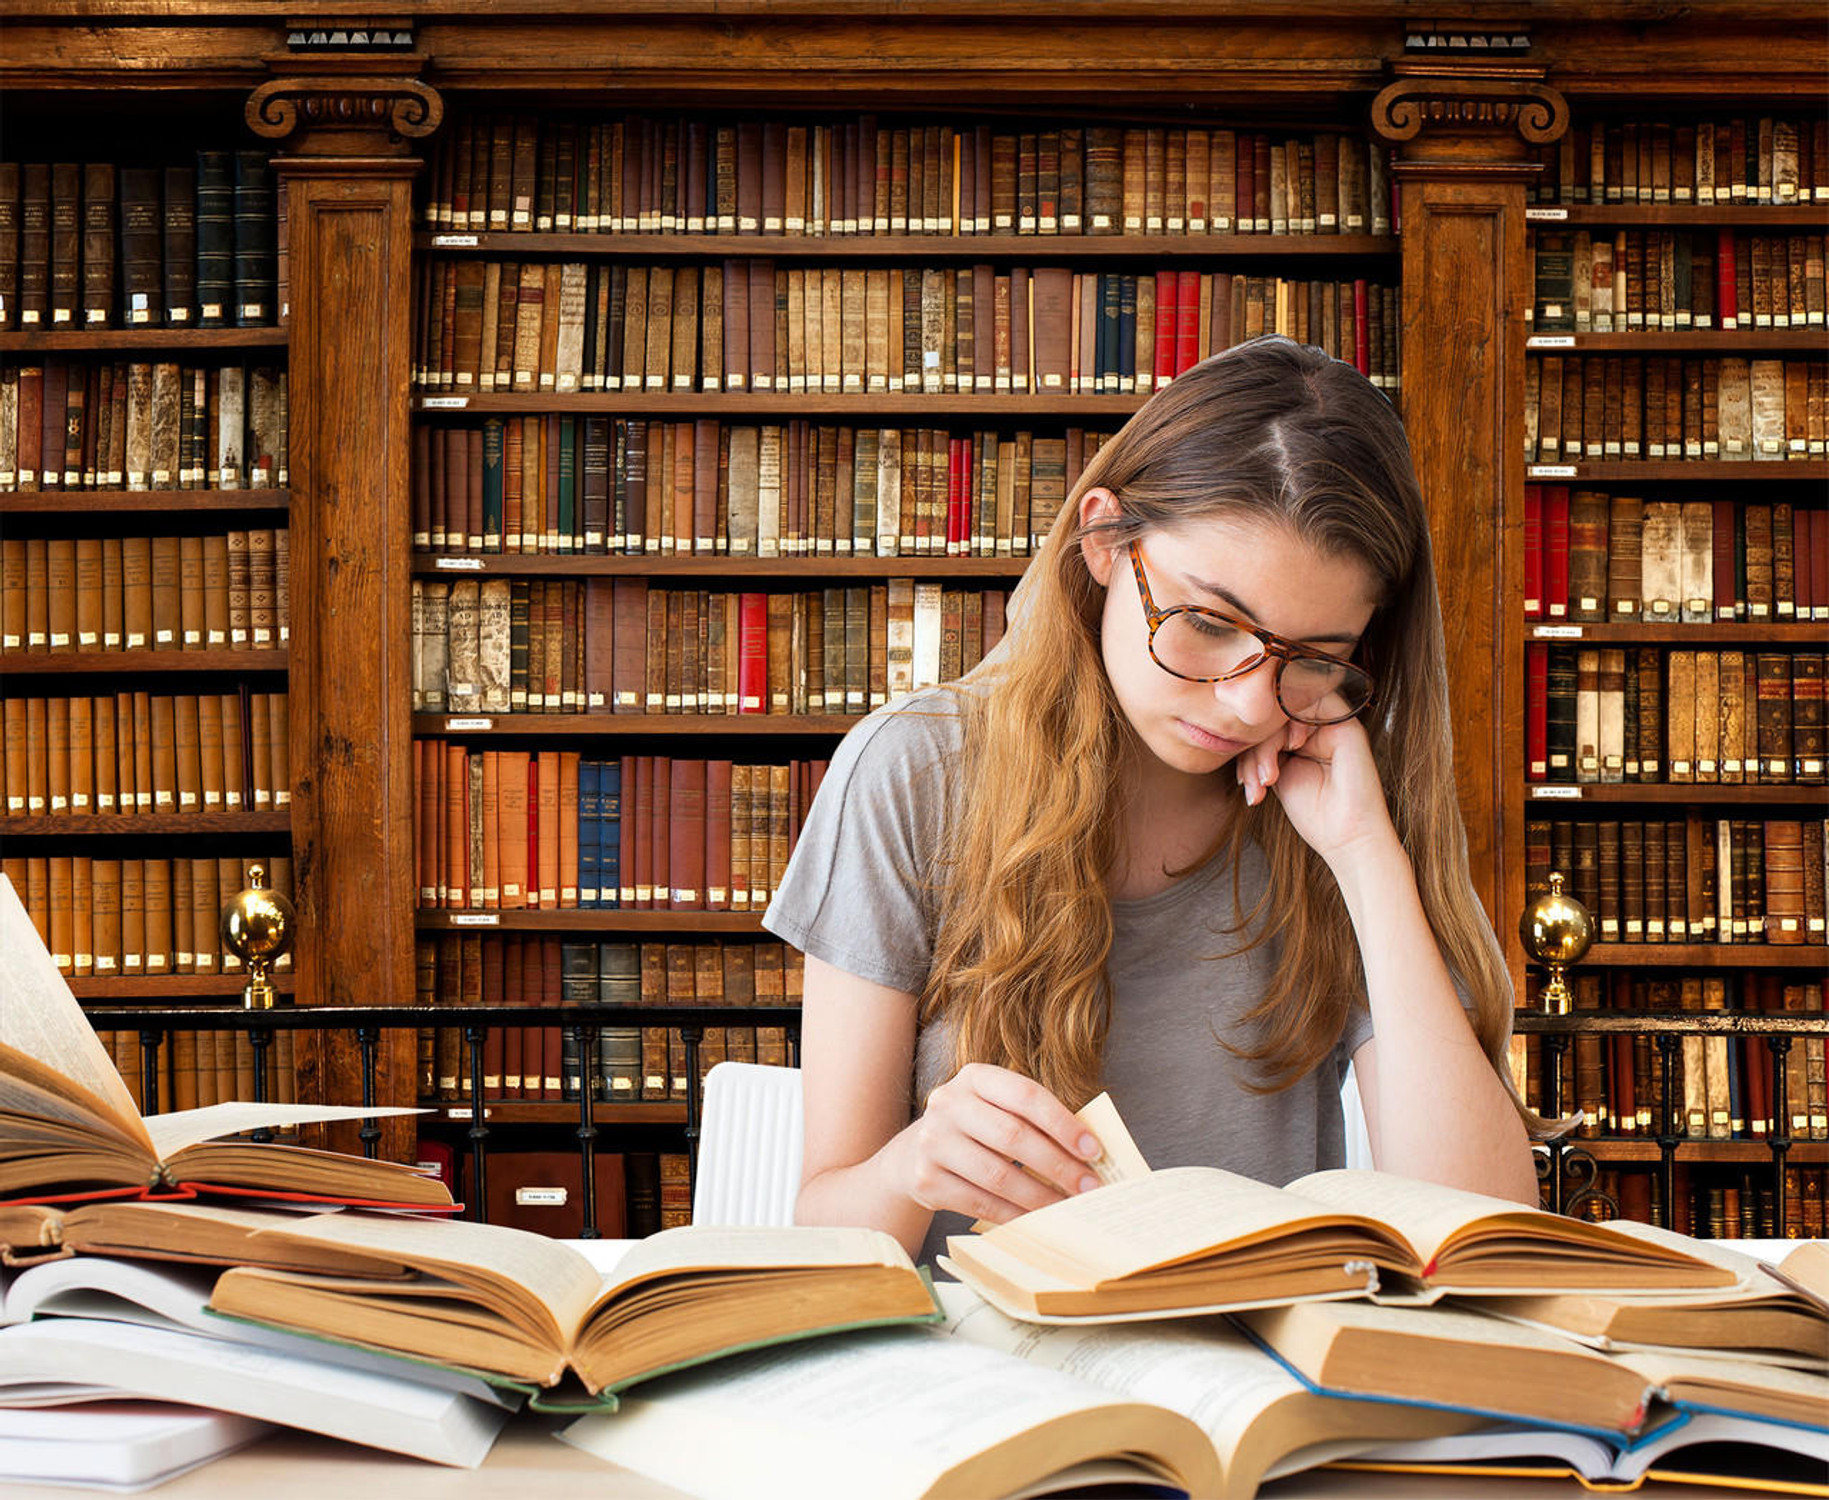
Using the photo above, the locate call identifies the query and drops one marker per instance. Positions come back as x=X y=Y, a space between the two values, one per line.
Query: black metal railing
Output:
x=154 y=1026
x=1780 y=1032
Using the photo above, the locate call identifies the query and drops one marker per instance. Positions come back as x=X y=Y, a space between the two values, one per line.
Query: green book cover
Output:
x=568 y=483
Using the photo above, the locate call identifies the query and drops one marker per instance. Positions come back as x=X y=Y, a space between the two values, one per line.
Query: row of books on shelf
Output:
x=505 y=830
x=600 y=645
x=1753 y=159
x=1594 y=557
x=202 y=591
x=89 y=424
x=1674 y=281
x=569 y=486
x=1652 y=715
x=145 y=753
x=630 y=1063
x=195 y=1069
x=1715 y=1203
x=134 y=918
x=1721 y=1087
x=494 y=327
x=92 y=245
x=1619 y=408
x=1687 y=880
x=860 y=175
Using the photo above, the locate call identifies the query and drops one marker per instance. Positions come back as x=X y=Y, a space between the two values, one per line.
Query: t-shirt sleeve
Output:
x=858 y=890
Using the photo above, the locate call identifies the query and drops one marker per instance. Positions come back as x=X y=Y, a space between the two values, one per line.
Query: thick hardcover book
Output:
x=215 y=218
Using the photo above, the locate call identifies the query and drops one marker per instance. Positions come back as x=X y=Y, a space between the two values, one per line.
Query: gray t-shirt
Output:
x=855 y=896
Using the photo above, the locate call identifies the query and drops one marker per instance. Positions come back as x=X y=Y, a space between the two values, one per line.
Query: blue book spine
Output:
x=588 y=864
x=609 y=833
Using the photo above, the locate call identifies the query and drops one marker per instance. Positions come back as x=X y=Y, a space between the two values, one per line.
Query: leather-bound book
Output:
x=1736 y=409
x=1732 y=721
x=1767 y=377
x=98 y=233
x=1773 y=711
x=1784 y=881
x=1588 y=548
x=1611 y=709
x=35 y=247
x=255 y=270
x=1809 y=743
x=1757 y=521
x=1729 y=605
x=66 y=246
x=1695 y=582
x=1707 y=742
x=1625 y=542
x=1662 y=553
x=1680 y=717
x=1816 y=919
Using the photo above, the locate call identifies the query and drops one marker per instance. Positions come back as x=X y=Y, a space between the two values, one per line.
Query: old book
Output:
x=536 y=1311
x=1171 y=1241
x=53 y=1068
x=1661 y=568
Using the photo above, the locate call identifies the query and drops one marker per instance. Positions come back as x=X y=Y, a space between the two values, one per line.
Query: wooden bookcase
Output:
x=1462 y=105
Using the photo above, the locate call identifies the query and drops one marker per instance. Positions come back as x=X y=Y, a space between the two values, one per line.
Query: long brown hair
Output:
x=1268 y=429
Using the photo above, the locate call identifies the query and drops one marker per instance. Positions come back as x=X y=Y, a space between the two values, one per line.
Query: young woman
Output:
x=1189 y=834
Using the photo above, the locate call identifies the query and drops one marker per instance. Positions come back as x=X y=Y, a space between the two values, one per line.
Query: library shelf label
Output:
x=474 y=726
x=1551 y=471
x=1556 y=632
x=1550 y=341
x=444 y=403
x=1546 y=216
x=476 y=919
x=1542 y=794
x=458 y=564
x=454 y=242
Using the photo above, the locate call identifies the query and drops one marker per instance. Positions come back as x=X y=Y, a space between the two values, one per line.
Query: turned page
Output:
x=1167 y=1216
x=537 y=1281
x=751 y=1247
x=40 y=1019
x=171 y=1133
x=884 y=1414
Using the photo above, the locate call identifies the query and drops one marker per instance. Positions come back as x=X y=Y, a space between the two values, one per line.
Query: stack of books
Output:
x=1187 y=1328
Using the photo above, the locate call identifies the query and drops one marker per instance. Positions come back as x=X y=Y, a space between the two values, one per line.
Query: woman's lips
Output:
x=1207 y=740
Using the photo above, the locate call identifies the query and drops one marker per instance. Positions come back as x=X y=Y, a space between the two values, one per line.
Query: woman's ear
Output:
x=1098 y=506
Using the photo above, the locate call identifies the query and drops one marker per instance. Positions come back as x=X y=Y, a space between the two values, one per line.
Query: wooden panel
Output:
x=351 y=581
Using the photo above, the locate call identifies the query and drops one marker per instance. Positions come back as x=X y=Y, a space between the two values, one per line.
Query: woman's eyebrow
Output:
x=1226 y=596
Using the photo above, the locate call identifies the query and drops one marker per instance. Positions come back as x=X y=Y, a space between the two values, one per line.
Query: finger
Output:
x=1027 y=1099
x=998 y=1176
x=953 y=1194
x=1009 y=1139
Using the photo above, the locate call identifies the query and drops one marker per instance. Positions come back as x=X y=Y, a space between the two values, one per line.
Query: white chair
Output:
x=749 y=1146
x=751 y=1134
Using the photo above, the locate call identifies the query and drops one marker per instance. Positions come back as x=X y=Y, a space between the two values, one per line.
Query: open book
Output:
x=1197 y=1239
x=1765 y=1457
x=987 y=1407
x=69 y=1130
x=520 y=1308
x=1761 y=1316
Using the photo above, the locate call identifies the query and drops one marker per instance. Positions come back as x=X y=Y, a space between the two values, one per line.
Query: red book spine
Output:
x=1167 y=321
x=1819 y=563
x=629 y=782
x=457 y=828
x=1362 y=329
x=958 y=498
x=660 y=849
x=1187 y=321
x=533 y=831
x=1536 y=711
x=752 y=655
x=552 y=1083
x=568 y=828
x=717 y=835
x=686 y=836
x=1533 y=552
x=639 y=857
x=1721 y=552
x=1556 y=551
x=1727 y=307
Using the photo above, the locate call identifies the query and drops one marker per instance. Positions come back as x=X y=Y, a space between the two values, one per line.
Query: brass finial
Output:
x=1557 y=932
x=257 y=927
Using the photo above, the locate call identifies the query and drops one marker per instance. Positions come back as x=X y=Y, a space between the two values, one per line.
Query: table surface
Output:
x=528 y=1462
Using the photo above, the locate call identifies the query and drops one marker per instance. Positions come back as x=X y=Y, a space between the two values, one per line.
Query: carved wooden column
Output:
x=1463 y=134
x=346 y=125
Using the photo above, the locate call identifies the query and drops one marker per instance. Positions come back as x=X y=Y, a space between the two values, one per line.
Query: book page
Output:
x=40 y=1017
x=1167 y=1216
x=1806 y=1269
x=359 y=1406
x=883 y=1414
x=1121 y=1160
x=170 y=1133
x=552 y=1285
x=752 y=1247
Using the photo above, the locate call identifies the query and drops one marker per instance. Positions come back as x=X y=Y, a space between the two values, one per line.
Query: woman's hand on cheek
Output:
x=1326 y=781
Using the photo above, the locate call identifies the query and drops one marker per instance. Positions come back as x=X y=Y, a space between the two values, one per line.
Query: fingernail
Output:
x=1088 y=1183
x=1090 y=1147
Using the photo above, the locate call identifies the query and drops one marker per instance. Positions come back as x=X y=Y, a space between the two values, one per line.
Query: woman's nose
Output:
x=1250 y=700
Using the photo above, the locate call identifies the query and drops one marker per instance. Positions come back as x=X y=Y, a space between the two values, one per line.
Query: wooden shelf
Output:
x=1749 y=634
x=553 y=1112
x=1806 y=341
x=746 y=726
x=152 y=989
x=106 y=340
x=775 y=570
x=122 y=663
x=1815 y=470
x=592 y=921
x=158 y=825
x=1708 y=955
x=1741 y=215
x=903 y=247
x=1705 y=793
x=1061 y=409
x=89 y=503
x=1755 y=1153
